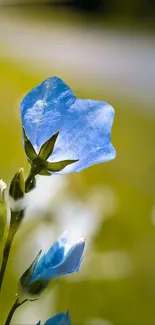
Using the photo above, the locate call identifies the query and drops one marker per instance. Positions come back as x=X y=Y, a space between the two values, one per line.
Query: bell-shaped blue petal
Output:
x=84 y=125
x=58 y=319
x=55 y=254
x=59 y=260
x=41 y=107
x=70 y=264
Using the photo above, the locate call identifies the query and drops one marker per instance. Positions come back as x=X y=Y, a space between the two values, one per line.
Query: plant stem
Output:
x=16 y=305
x=30 y=182
x=6 y=253
x=16 y=218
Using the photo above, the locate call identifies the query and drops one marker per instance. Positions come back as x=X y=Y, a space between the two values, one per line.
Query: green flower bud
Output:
x=17 y=186
x=34 y=289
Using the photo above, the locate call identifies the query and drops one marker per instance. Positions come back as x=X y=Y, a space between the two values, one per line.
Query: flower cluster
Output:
x=61 y=134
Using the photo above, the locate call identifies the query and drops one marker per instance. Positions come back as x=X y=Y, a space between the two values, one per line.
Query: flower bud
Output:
x=17 y=186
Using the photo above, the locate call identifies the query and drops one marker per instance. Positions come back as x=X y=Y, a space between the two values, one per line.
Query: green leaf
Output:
x=59 y=165
x=17 y=186
x=30 y=152
x=47 y=148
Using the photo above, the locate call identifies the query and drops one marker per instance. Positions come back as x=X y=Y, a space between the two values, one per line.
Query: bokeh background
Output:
x=105 y=50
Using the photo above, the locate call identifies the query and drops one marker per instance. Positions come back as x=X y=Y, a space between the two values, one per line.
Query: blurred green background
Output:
x=104 y=55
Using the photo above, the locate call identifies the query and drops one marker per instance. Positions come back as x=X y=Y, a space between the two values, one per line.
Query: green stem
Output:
x=30 y=182
x=16 y=218
x=6 y=253
x=16 y=305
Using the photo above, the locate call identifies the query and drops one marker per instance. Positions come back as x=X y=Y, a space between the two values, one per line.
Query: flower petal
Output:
x=59 y=319
x=84 y=125
x=85 y=133
x=53 y=256
x=70 y=264
x=42 y=109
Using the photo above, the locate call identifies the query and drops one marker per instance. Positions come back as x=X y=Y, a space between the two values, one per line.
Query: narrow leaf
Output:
x=47 y=148
x=30 y=152
x=59 y=165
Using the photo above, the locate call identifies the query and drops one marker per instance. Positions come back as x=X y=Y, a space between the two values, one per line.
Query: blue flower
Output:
x=84 y=125
x=61 y=259
x=58 y=319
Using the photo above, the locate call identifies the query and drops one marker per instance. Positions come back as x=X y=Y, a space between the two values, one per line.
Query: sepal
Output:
x=26 y=277
x=30 y=152
x=47 y=148
x=17 y=186
x=59 y=165
x=35 y=288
